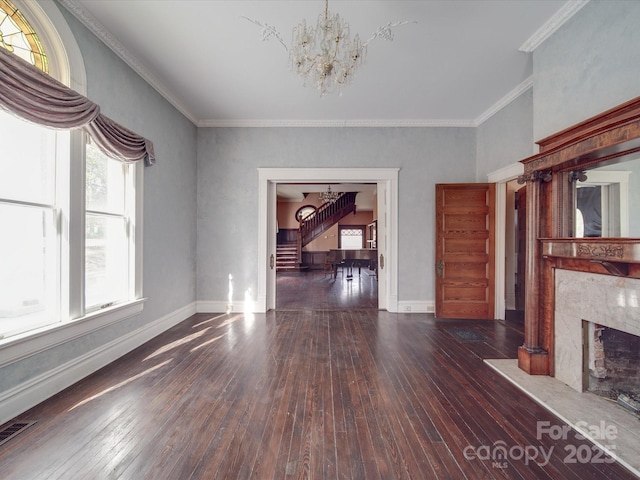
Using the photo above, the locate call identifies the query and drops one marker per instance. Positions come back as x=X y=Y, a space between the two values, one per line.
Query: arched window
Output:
x=18 y=36
x=70 y=216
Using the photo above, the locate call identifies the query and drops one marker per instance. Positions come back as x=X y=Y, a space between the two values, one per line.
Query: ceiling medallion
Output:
x=326 y=56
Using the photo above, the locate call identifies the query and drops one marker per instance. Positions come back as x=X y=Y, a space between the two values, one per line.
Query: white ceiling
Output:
x=461 y=61
x=297 y=192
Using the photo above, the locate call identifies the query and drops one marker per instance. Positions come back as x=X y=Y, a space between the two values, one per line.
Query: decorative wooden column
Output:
x=532 y=358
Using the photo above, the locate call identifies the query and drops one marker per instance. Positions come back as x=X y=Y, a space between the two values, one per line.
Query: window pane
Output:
x=351 y=238
x=105 y=182
x=28 y=161
x=28 y=258
x=106 y=260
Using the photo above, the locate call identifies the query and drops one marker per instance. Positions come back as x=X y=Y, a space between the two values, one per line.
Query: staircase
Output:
x=287 y=257
x=327 y=215
x=288 y=254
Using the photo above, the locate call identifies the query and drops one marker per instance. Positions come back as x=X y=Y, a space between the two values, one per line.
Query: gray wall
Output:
x=169 y=186
x=169 y=202
x=506 y=137
x=589 y=65
x=228 y=159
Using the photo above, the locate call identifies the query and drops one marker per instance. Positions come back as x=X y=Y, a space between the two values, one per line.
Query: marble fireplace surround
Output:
x=605 y=299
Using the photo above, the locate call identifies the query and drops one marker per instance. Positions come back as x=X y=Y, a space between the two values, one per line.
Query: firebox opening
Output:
x=612 y=365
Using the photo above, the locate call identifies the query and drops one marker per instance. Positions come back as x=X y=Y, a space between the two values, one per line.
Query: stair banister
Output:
x=326 y=216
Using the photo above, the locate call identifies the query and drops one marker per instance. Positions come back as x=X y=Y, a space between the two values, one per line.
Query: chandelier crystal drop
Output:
x=325 y=56
x=329 y=196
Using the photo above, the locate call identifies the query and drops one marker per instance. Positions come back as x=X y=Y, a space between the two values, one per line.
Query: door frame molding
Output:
x=387 y=181
x=501 y=177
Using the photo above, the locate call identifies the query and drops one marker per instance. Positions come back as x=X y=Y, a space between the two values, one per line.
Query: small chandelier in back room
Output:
x=326 y=56
x=329 y=196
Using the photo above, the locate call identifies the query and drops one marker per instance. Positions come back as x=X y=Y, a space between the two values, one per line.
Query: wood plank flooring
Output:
x=311 y=290
x=321 y=394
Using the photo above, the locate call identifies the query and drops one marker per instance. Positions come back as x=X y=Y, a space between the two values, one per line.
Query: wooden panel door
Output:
x=465 y=250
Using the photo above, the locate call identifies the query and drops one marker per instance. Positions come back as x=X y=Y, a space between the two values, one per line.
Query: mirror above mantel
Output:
x=588 y=177
x=606 y=200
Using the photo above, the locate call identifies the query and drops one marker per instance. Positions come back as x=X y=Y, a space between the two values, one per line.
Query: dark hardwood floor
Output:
x=354 y=394
x=310 y=290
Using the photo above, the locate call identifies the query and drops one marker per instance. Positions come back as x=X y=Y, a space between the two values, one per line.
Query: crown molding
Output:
x=567 y=11
x=270 y=123
x=418 y=123
x=89 y=21
x=504 y=101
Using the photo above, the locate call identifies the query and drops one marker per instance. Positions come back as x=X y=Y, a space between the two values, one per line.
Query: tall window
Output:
x=29 y=215
x=70 y=217
x=110 y=217
x=36 y=218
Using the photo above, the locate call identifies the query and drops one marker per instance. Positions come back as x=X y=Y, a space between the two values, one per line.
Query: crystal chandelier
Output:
x=325 y=56
x=329 y=196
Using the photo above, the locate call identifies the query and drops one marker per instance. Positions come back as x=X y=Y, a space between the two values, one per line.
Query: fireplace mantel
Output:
x=613 y=256
x=605 y=139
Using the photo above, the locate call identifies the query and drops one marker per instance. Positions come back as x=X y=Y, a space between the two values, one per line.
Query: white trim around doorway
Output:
x=500 y=178
x=387 y=181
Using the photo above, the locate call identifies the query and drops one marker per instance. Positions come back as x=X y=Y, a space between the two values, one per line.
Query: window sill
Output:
x=24 y=345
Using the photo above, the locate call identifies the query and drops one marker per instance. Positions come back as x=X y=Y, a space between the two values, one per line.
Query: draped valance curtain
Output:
x=35 y=96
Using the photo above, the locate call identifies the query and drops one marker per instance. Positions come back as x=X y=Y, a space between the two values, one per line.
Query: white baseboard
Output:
x=410 y=306
x=416 y=306
x=30 y=393
x=212 y=306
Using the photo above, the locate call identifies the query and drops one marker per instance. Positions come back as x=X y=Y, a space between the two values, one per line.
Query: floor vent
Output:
x=467 y=335
x=12 y=430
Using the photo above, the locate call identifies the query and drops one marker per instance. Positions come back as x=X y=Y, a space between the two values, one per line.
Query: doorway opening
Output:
x=327 y=258
x=506 y=222
x=386 y=181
